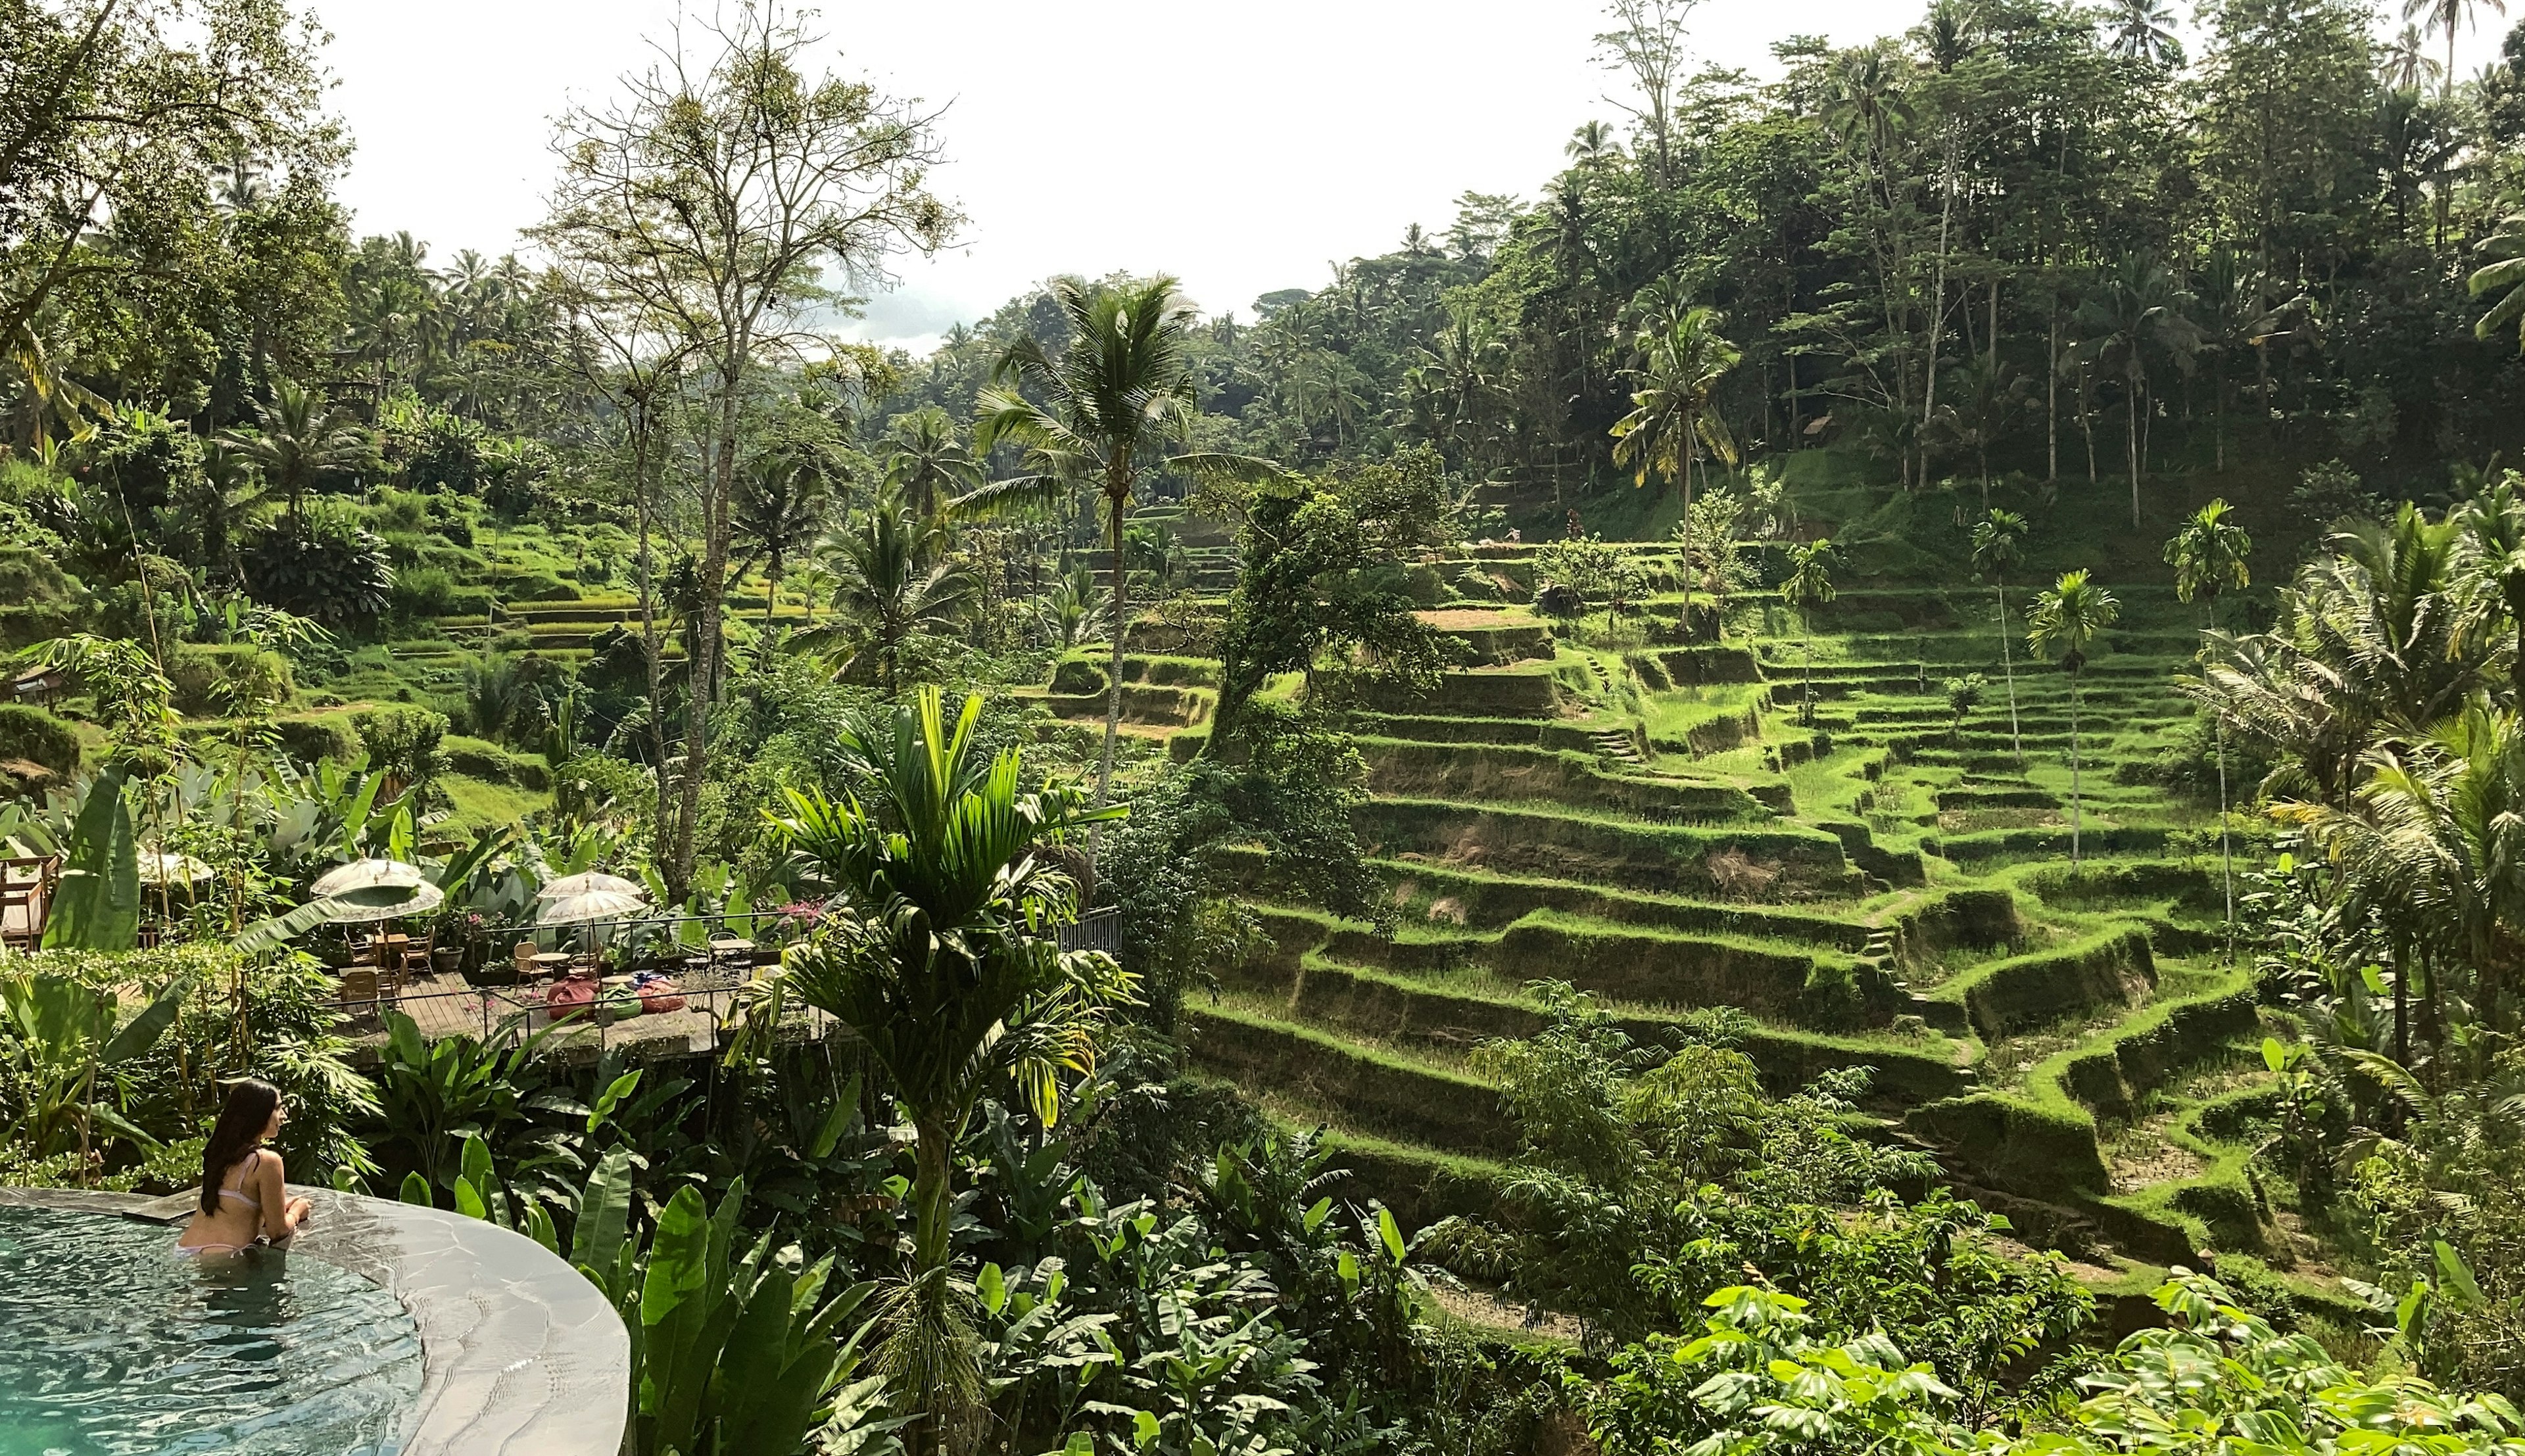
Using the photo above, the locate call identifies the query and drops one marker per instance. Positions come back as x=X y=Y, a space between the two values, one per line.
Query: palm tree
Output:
x=893 y=578
x=780 y=508
x=298 y=440
x=2490 y=565
x=1988 y=401
x=2066 y=621
x=1810 y=585
x=926 y=458
x=2503 y=275
x=2433 y=844
x=2208 y=556
x=1592 y=143
x=945 y=962
x=1996 y=550
x=2406 y=65
x=1671 y=416
x=1120 y=392
x=2449 y=16
x=2139 y=310
x=2144 y=30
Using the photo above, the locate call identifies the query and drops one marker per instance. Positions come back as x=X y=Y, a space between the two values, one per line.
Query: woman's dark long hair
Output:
x=242 y=1119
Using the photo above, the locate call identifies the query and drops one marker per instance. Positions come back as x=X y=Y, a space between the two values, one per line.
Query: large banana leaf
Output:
x=98 y=905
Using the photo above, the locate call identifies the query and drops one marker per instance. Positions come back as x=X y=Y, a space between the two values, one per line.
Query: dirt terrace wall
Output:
x=2050 y=984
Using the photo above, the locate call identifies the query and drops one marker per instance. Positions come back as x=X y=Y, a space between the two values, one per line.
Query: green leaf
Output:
x=610 y=1098
x=603 y=1212
x=97 y=905
x=1317 y=1215
x=1391 y=1233
x=992 y=1286
x=1144 y=1430
x=415 y=1189
x=1348 y=1267
x=469 y=1203
x=2455 y=1276
x=142 y=1032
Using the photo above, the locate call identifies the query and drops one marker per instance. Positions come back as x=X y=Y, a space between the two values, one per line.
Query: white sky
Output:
x=1277 y=135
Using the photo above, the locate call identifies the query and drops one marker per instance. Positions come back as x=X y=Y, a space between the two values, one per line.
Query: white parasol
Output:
x=172 y=869
x=570 y=887
x=592 y=907
x=368 y=874
x=367 y=906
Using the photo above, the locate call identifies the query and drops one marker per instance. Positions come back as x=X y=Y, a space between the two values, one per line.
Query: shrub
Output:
x=324 y=566
x=422 y=593
x=403 y=741
x=37 y=736
x=319 y=737
x=201 y=671
x=29 y=575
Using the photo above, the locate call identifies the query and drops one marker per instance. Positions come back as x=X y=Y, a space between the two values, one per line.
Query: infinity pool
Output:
x=110 y=1344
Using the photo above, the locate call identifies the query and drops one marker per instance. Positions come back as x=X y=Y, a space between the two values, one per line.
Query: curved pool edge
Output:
x=520 y=1353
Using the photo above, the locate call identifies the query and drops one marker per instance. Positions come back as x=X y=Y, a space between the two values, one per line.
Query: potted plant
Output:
x=481 y=962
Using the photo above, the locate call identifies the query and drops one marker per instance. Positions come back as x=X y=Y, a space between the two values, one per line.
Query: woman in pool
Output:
x=243 y=1199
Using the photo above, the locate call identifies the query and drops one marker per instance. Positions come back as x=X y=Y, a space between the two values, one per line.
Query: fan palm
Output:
x=1671 y=416
x=944 y=960
x=2209 y=556
x=924 y=458
x=298 y=441
x=2065 y=622
x=1120 y=392
x=1997 y=548
x=893 y=579
x=1808 y=586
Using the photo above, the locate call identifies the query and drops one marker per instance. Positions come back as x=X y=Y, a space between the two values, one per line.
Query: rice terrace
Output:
x=1849 y=777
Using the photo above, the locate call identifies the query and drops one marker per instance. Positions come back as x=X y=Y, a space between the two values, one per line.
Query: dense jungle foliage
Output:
x=1855 y=781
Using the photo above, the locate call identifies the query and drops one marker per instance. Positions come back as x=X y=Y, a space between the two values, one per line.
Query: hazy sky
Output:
x=1273 y=137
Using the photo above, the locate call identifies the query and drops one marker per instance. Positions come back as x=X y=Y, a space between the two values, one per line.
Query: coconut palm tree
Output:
x=1671 y=416
x=2449 y=16
x=2489 y=566
x=1997 y=548
x=1113 y=399
x=893 y=579
x=298 y=440
x=2144 y=30
x=1808 y=586
x=944 y=960
x=2065 y=621
x=2138 y=312
x=2208 y=556
x=926 y=458
x=780 y=508
x=2404 y=63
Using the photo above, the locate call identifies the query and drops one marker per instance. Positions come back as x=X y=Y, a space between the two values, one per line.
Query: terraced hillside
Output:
x=1877 y=886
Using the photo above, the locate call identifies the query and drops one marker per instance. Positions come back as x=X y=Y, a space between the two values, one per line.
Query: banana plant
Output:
x=98 y=905
x=57 y=1036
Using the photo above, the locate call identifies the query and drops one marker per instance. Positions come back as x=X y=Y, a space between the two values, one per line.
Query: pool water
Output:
x=112 y=1345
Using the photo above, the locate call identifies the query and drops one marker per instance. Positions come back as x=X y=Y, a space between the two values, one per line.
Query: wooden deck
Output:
x=446 y=1006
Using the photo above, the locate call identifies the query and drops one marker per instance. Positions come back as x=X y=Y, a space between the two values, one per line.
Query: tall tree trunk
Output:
x=2131 y=412
x=652 y=641
x=709 y=621
x=2077 y=807
x=2052 y=399
x=2007 y=669
x=1117 y=501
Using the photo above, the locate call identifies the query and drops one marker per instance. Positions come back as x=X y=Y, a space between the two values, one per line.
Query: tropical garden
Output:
x=1853 y=781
